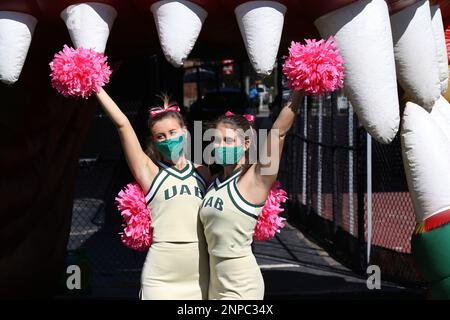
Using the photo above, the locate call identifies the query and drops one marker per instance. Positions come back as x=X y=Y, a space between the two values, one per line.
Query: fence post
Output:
x=361 y=264
x=369 y=196
x=305 y=149
x=309 y=174
x=334 y=164
x=351 y=155
x=319 y=157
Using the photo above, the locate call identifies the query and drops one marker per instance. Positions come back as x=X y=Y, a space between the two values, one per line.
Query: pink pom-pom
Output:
x=269 y=222
x=315 y=68
x=79 y=72
x=137 y=233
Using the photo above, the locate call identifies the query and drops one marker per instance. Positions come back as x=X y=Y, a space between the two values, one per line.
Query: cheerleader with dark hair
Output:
x=236 y=198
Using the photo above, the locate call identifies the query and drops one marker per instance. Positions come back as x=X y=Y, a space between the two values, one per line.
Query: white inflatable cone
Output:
x=441 y=46
x=179 y=24
x=89 y=24
x=261 y=25
x=363 y=34
x=16 y=32
x=415 y=54
x=426 y=158
x=441 y=115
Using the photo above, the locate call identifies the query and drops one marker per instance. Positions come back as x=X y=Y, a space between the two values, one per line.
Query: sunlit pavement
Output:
x=296 y=268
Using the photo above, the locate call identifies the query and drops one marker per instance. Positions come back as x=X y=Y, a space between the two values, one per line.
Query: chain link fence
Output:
x=108 y=269
x=324 y=170
x=393 y=218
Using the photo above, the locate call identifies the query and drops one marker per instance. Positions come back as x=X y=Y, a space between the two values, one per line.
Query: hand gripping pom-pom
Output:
x=79 y=72
x=269 y=222
x=314 y=68
x=137 y=233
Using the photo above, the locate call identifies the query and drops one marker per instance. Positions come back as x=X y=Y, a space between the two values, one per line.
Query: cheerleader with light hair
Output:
x=176 y=266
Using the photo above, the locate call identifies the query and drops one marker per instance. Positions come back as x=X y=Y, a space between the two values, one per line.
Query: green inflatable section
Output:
x=441 y=289
x=432 y=253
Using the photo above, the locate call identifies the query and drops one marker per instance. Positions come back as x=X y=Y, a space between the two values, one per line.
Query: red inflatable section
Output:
x=445 y=9
x=134 y=27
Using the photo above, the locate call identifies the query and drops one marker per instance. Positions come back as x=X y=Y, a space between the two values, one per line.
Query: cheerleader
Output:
x=176 y=266
x=234 y=200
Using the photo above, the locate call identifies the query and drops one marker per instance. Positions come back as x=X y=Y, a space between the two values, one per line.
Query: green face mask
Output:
x=171 y=149
x=228 y=155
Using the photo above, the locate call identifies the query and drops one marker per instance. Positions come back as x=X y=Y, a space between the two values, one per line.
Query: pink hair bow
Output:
x=156 y=111
x=250 y=118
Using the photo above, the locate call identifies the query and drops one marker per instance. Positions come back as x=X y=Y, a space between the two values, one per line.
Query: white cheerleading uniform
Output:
x=176 y=266
x=229 y=222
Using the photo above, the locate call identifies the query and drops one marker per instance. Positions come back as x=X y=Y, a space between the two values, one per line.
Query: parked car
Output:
x=263 y=92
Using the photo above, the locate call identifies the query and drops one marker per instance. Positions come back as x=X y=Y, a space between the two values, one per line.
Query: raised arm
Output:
x=266 y=169
x=141 y=166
